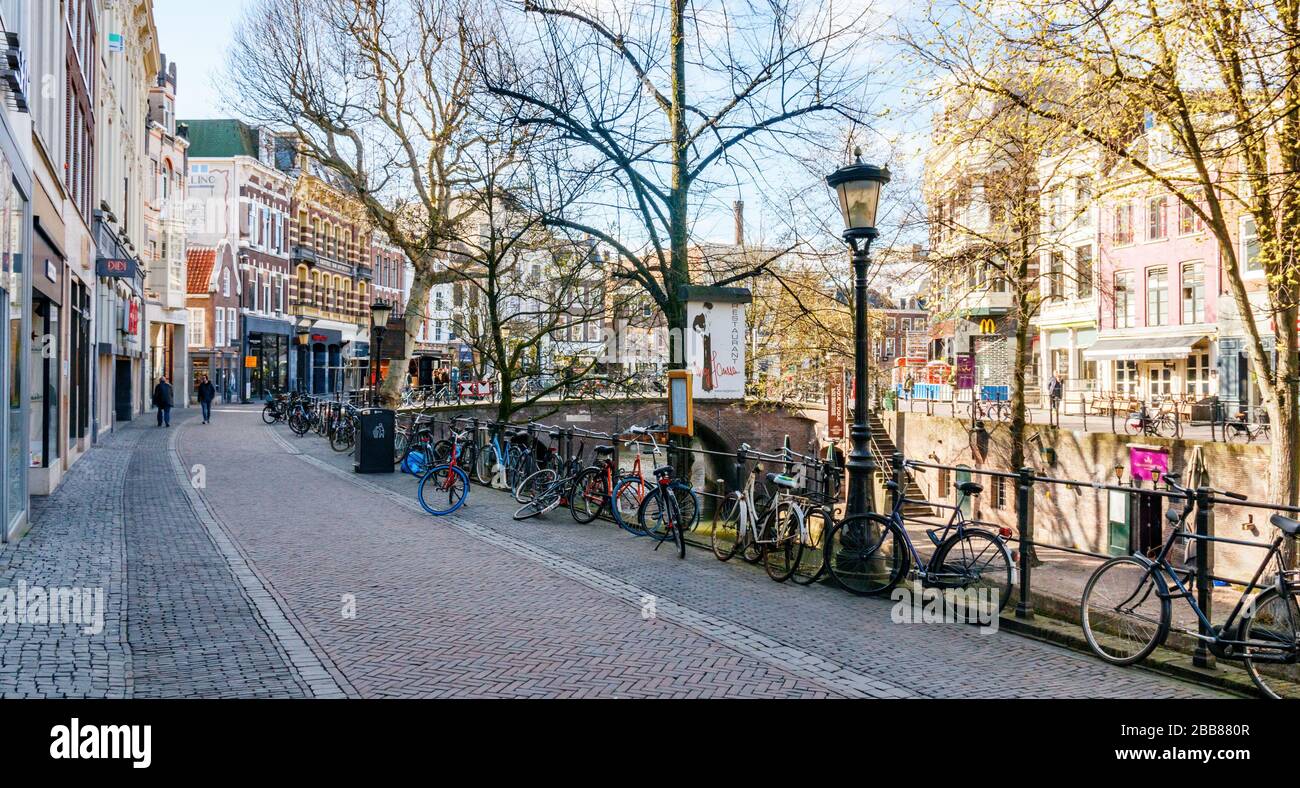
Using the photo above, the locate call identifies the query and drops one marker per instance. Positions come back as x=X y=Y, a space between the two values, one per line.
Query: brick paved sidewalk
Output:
x=855 y=633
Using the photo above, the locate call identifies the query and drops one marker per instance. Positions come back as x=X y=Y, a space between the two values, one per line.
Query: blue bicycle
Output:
x=444 y=488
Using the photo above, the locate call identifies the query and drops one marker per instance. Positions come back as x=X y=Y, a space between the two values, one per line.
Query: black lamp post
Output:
x=858 y=188
x=380 y=311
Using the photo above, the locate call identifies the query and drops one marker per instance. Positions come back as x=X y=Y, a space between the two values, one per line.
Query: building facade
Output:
x=212 y=302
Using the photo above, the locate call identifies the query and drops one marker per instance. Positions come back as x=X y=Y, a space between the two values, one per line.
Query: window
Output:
x=1188 y=221
x=197 y=325
x=1250 y=246
x=225 y=282
x=1198 y=374
x=889 y=346
x=219 y=326
x=1126 y=377
x=254 y=279
x=232 y=335
x=1124 y=317
x=1157 y=296
x=1193 y=293
x=266 y=293
x=1083 y=200
x=1156 y=228
x=1083 y=270
x=999 y=493
x=1056 y=276
x=1124 y=223
x=944 y=487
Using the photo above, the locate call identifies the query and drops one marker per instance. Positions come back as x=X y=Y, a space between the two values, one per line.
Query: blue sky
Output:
x=195 y=34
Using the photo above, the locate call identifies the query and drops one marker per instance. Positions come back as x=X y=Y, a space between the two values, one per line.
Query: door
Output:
x=1149 y=514
x=122 y=389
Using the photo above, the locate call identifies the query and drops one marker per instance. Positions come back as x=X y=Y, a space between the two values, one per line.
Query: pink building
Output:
x=1160 y=280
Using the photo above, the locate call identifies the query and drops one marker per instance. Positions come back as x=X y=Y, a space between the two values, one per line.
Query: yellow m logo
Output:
x=988 y=326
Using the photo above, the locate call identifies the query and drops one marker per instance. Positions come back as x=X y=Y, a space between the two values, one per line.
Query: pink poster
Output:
x=1142 y=461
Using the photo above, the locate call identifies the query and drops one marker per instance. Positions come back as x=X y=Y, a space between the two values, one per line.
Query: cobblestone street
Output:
x=280 y=573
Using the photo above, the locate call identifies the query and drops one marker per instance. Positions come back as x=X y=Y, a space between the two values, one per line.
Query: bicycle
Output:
x=449 y=480
x=1127 y=608
x=461 y=445
x=303 y=416
x=660 y=516
x=776 y=534
x=632 y=486
x=1241 y=431
x=870 y=554
x=544 y=491
x=1141 y=422
x=997 y=410
x=343 y=431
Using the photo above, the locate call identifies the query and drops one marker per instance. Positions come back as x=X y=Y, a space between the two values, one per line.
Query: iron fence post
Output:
x=1024 y=515
x=1202 y=658
x=900 y=475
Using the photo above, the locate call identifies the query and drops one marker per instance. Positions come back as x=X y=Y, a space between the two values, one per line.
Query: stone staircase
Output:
x=883 y=450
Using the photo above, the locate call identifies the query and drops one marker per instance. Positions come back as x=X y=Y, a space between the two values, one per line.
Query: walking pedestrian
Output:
x=207 y=393
x=162 y=400
x=1054 y=391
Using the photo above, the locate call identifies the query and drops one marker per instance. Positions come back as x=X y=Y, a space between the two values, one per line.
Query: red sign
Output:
x=133 y=317
x=835 y=416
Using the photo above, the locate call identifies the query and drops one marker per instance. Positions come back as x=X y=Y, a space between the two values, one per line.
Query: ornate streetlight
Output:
x=858 y=188
x=380 y=311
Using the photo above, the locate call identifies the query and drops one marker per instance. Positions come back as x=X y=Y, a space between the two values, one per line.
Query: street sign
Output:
x=116 y=267
x=835 y=408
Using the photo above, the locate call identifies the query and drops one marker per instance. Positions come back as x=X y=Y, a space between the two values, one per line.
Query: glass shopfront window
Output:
x=13 y=249
x=44 y=368
x=271 y=373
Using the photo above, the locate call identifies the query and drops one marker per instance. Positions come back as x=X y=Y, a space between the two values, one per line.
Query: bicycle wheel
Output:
x=629 y=491
x=1133 y=425
x=688 y=505
x=868 y=554
x=299 y=424
x=543 y=501
x=589 y=495
x=443 y=489
x=1123 y=612
x=781 y=556
x=1166 y=427
x=675 y=523
x=486 y=465
x=341 y=437
x=812 y=562
x=724 y=537
x=653 y=515
x=441 y=453
x=978 y=560
x=270 y=414
x=1238 y=434
x=529 y=488
x=1273 y=627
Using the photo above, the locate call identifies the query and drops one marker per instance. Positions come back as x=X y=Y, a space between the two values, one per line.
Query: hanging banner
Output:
x=715 y=340
x=835 y=407
x=965 y=371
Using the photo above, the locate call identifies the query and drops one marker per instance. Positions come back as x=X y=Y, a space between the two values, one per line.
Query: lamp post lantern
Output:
x=858 y=188
x=380 y=311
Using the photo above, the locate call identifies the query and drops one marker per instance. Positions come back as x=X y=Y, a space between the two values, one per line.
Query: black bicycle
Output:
x=1142 y=422
x=1127 y=606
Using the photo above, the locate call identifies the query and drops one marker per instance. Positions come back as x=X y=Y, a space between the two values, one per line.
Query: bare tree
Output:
x=383 y=93
x=644 y=101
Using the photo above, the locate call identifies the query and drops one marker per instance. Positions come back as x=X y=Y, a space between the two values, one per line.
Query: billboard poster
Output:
x=835 y=404
x=1142 y=461
x=965 y=371
x=716 y=334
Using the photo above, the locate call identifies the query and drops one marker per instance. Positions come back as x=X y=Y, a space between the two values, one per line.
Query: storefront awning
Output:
x=1143 y=348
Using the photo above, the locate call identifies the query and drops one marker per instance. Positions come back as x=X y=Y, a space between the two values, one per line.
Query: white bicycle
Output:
x=774 y=533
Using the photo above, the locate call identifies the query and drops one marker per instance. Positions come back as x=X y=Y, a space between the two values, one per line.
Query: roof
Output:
x=198 y=262
x=222 y=138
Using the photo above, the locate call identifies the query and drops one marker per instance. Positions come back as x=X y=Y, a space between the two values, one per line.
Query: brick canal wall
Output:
x=1079 y=517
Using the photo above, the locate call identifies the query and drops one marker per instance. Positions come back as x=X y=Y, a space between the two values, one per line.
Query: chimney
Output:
x=739 y=207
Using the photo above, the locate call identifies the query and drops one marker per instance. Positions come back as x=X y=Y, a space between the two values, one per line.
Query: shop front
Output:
x=266 y=357
x=16 y=315
x=45 y=432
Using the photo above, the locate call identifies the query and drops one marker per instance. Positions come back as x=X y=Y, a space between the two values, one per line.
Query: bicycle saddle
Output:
x=781 y=480
x=603 y=451
x=664 y=470
x=971 y=488
x=1285 y=524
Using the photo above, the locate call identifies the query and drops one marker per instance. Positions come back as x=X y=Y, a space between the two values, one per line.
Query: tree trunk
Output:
x=390 y=392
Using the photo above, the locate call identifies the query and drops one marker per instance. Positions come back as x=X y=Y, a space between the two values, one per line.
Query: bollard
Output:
x=1202 y=658
x=1024 y=515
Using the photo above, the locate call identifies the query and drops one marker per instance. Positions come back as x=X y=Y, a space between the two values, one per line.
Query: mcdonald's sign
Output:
x=988 y=326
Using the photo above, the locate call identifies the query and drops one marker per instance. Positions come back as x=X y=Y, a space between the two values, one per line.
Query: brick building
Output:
x=212 y=300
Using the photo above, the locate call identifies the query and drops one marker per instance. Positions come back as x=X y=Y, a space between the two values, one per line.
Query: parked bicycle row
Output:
x=786 y=520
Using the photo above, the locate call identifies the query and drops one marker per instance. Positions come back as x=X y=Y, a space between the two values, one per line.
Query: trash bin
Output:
x=375 y=441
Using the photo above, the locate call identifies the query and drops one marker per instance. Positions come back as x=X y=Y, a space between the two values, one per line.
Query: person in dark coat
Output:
x=162 y=400
x=207 y=393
